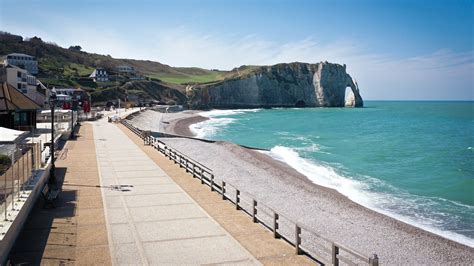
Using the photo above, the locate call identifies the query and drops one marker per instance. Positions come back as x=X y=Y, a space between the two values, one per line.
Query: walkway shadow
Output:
x=54 y=224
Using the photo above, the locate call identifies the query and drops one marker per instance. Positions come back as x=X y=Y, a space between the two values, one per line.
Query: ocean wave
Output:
x=209 y=128
x=310 y=148
x=432 y=214
x=216 y=122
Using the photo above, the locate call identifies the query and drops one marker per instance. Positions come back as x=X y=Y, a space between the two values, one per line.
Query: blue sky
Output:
x=395 y=49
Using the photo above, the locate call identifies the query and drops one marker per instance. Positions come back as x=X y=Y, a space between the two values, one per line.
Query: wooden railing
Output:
x=131 y=127
x=306 y=242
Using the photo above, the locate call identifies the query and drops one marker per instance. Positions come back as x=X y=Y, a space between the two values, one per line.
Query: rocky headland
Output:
x=283 y=85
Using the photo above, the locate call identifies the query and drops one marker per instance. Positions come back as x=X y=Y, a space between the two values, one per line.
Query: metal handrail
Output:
x=15 y=180
x=191 y=165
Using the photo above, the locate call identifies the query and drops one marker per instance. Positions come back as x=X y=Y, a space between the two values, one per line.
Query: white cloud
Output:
x=443 y=74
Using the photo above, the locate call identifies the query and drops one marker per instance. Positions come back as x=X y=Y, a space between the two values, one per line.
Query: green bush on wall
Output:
x=5 y=163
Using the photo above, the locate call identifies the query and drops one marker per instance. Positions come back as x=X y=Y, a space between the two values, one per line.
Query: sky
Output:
x=395 y=49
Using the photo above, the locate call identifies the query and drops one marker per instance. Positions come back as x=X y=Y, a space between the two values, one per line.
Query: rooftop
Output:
x=19 y=54
x=11 y=99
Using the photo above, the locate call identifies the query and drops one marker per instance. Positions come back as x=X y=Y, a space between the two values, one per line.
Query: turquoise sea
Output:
x=411 y=160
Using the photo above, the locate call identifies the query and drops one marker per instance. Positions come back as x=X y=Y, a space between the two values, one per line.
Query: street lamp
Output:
x=52 y=171
x=73 y=108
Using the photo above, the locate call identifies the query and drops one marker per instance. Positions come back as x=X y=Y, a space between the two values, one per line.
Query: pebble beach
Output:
x=322 y=210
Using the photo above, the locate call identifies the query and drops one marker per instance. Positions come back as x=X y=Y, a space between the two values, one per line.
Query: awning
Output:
x=10 y=135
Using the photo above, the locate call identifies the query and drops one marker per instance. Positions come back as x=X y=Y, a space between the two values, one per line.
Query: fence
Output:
x=317 y=247
x=14 y=180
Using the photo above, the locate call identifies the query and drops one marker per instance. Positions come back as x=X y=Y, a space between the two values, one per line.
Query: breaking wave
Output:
x=216 y=121
x=406 y=207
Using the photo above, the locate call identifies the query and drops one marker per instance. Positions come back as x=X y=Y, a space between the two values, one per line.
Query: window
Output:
x=18 y=74
x=23 y=119
x=16 y=119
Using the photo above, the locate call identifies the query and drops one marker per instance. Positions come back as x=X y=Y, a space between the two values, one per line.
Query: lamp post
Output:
x=73 y=108
x=52 y=171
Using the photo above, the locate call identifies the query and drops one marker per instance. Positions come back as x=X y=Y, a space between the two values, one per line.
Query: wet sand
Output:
x=172 y=123
x=181 y=126
x=320 y=209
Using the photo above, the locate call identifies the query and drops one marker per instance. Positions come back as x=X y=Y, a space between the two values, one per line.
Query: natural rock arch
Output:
x=330 y=82
x=349 y=97
x=284 y=85
x=354 y=99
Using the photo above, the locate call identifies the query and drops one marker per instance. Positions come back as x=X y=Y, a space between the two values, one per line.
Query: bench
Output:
x=49 y=195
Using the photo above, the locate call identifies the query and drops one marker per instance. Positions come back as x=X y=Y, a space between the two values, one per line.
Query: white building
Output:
x=69 y=94
x=23 y=81
x=42 y=96
x=125 y=69
x=24 y=61
x=99 y=75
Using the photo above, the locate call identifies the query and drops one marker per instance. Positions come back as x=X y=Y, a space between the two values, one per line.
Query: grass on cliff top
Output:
x=185 y=79
x=74 y=70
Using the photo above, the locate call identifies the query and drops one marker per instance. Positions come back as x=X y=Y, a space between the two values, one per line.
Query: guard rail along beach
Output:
x=14 y=179
x=317 y=247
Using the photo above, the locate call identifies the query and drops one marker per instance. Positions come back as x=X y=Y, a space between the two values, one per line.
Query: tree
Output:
x=75 y=47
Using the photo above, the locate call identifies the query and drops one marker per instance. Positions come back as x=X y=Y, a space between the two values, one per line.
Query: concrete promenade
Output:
x=75 y=231
x=253 y=237
x=150 y=219
x=124 y=203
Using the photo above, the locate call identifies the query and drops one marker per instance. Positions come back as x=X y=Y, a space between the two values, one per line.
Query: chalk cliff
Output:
x=284 y=85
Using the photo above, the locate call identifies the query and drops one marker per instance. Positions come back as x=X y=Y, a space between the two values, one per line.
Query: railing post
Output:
x=237 y=199
x=374 y=260
x=212 y=182
x=22 y=175
x=13 y=179
x=194 y=170
x=5 y=193
x=27 y=169
x=223 y=190
x=202 y=176
x=254 y=211
x=297 y=239
x=335 y=252
x=275 y=225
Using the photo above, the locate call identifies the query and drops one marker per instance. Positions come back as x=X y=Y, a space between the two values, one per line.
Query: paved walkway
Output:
x=252 y=236
x=151 y=220
x=134 y=213
x=75 y=231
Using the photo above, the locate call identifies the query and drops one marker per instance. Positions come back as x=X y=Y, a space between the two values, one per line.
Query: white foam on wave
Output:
x=209 y=127
x=313 y=147
x=318 y=173
x=405 y=207
x=216 y=122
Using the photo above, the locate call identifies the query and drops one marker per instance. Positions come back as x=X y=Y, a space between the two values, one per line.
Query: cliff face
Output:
x=283 y=85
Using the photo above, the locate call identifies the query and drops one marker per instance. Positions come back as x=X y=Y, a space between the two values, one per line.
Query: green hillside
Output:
x=70 y=67
x=61 y=66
